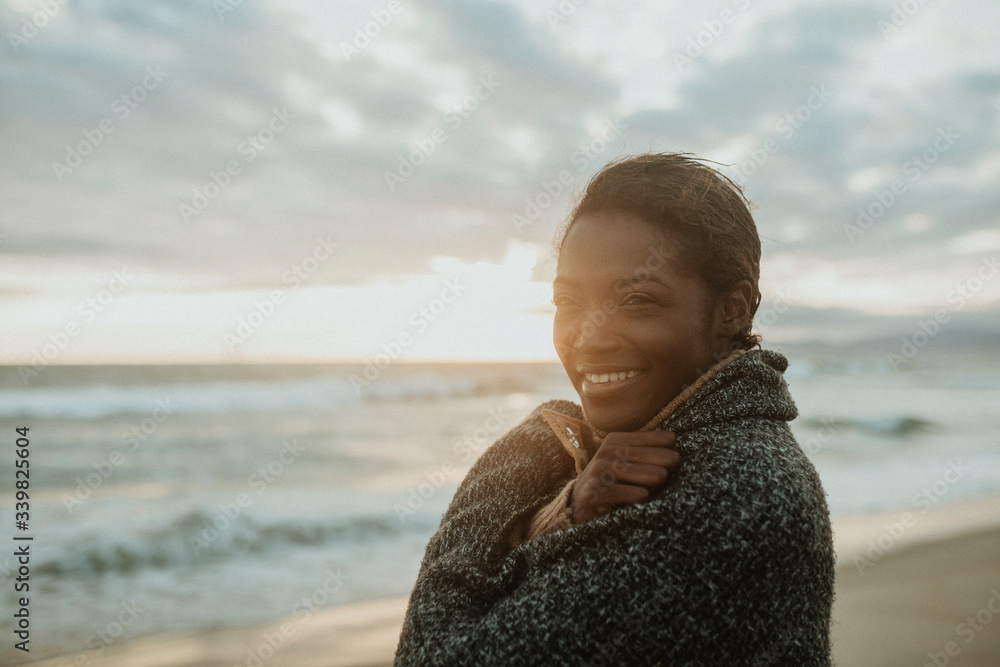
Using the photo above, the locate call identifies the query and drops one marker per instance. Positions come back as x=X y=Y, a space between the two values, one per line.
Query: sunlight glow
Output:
x=457 y=311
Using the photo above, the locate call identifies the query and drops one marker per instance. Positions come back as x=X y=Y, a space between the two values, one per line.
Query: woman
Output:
x=671 y=518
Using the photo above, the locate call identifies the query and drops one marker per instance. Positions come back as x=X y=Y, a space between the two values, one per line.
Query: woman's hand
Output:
x=627 y=469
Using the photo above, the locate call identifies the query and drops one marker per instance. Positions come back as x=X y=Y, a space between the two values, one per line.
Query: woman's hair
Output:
x=702 y=210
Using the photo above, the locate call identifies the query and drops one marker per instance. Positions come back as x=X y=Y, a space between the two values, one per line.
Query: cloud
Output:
x=873 y=173
x=222 y=83
x=817 y=110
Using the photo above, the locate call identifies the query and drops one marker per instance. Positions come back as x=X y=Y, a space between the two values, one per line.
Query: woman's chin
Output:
x=612 y=418
x=614 y=406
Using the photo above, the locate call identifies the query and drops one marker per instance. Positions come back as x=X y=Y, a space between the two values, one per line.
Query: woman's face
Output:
x=632 y=327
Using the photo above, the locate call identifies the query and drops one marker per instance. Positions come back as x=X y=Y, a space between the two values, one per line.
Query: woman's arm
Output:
x=520 y=473
x=719 y=568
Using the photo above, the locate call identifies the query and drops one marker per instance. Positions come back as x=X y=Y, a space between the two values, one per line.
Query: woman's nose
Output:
x=595 y=332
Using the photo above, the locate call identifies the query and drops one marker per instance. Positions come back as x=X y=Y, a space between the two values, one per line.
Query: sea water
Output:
x=179 y=498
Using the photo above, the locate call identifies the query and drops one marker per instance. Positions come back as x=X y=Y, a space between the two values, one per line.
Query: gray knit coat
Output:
x=731 y=563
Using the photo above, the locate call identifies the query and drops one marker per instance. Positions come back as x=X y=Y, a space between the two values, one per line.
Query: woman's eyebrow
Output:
x=629 y=281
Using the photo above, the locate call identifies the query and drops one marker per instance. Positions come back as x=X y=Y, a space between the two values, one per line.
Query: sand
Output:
x=912 y=589
x=907 y=600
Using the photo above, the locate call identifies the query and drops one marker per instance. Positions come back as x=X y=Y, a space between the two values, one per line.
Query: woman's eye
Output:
x=637 y=300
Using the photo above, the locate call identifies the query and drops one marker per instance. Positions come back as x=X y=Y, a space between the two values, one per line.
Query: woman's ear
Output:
x=734 y=312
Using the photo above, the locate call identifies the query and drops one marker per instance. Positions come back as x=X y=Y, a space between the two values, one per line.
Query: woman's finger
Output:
x=640 y=439
x=640 y=474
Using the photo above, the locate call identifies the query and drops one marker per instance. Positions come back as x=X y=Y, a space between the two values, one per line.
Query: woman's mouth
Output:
x=602 y=384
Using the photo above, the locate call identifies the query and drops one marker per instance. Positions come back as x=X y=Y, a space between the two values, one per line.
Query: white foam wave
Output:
x=106 y=400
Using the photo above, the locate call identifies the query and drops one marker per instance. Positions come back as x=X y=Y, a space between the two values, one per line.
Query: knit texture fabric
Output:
x=730 y=563
x=582 y=441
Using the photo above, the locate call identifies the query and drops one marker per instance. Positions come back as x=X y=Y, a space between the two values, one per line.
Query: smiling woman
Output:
x=659 y=329
x=671 y=518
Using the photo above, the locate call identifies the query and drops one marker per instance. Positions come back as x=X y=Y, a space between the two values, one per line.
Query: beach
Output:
x=911 y=590
x=911 y=604
x=182 y=515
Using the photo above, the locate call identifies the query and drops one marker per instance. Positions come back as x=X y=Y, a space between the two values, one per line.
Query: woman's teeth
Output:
x=609 y=377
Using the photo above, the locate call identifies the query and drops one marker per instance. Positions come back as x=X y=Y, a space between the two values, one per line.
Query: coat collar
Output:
x=581 y=439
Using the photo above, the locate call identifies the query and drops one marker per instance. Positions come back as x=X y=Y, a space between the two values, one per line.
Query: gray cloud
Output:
x=322 y=177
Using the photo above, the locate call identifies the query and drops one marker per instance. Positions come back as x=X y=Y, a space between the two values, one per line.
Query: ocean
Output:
x=177 y=498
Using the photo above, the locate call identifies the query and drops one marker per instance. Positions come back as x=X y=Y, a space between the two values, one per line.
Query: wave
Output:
x=198 y=537
x=894 y=426
x=105 y=400
x=977 y=382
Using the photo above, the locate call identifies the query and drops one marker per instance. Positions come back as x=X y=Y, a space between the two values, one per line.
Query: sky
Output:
x=282 y=180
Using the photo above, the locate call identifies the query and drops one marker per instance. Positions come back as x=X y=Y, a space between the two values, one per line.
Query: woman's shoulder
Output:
x=752 y=480
x=748 y=454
